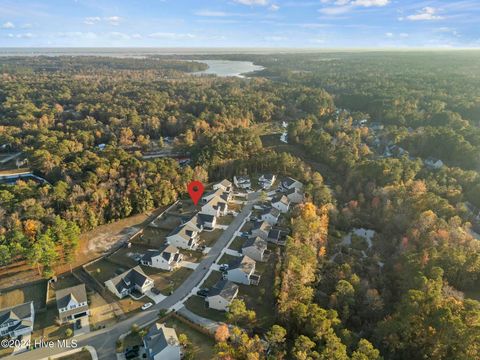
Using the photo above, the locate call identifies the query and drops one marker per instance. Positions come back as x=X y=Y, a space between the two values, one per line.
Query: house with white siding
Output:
x=72 y=303
x=281 y=203
x=256 y=248
x=133 y=280
x=185 y=236
x=221 y=295
x=161 y=343
x=17 y=320
x=242 y=271
x=270 y=215
x=167 y=259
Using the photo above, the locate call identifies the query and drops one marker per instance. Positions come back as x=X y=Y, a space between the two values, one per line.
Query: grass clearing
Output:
x=152 y=237
x=31 y=292
x=210 y=237
x=237 y=243
x=202 y=345
x=104 y=270
x=227 y=219
x=167 y=281
x=198 y=305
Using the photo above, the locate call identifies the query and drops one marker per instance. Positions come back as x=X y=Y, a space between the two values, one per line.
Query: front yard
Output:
x=167 y=281
x=198 y=305
x=210 y=237
x=237 y=243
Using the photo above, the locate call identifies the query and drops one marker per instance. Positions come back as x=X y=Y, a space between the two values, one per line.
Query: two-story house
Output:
x=185 y=236
x=166 y=259
x=133 y=280
x=17 y=320
x=72 y=303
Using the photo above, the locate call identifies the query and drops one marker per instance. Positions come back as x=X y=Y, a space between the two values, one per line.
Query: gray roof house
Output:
x=221 y=295
x=261 y=228
x=167 y=259
x=185 y=236
x=17 y=320
x=270 y=215
x=161 y=343
x=133 y=280
x=242 y=271
x=72 y=303
x=256 y=248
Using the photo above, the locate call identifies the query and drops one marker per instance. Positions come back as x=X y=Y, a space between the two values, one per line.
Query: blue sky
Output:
x=240 y=23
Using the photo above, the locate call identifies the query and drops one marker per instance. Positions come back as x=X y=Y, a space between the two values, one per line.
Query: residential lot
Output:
x=210 y=237
x=31 y=292
x=153 y=237
x=103 y=270
x=167 y=281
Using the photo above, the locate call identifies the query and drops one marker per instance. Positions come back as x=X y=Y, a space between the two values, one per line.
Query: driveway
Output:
x=103 y=340
x=84 y=329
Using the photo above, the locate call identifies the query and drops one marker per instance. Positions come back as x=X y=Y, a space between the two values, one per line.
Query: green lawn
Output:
x=31 y=292
x=226 y=259
x=104 y=270
x=167 y=281
x=210 y=237
x=214 y=277
x=202 y=345
x=225 y=220
x=261 y=298
x=198 y=305
x=237 y=243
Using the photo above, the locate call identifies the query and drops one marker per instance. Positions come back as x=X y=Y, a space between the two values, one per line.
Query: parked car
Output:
x=146 y=305
x=133 y=348
x=223 y=267
x=244 y=234
x=78 y=324
x=202 y=292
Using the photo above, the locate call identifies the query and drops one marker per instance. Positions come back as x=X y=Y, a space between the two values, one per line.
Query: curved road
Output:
x=104 y=340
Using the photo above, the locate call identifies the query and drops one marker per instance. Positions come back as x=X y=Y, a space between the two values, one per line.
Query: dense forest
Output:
x=369 y=121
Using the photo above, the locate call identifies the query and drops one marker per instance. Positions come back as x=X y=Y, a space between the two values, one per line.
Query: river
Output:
x=224 y=68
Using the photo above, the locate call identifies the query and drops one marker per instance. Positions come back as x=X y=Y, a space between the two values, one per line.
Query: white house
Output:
x=221 y=295
x=266 y=181
x=185 y=236
x=270 y=215
x=216 y=206
x=224 y=185
x=129 y=281
x=209 y=221
x=242 y=271
x=261 y=229
x=242 y=182
x=294 y=195
x=72 y=303
x=161 y=343
x=433 y=163
x=17 y=320
x=256 y=249
x=290 y=183
x=281 y=203
x=168 y=259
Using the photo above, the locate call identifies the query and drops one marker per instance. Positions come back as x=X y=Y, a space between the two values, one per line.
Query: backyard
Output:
x=35 y=292
x=103 y=270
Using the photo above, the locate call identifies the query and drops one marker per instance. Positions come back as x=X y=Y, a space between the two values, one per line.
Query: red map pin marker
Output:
x=195 y=189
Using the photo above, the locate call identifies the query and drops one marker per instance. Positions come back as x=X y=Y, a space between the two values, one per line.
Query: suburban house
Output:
x=17 y=320
x=256 y=249
x=221 y=295
x=185 y=236
x=266 y=181
x=216 y=206
x=290 y=183
x=167 y=259
x=133 y=280
x=242 y=271
x=433 y=163
x=161 y=343
x=209 y=221
x=224 y=195
x=275 y=236
x=72 y=303
x=295 y=196
x=242 y=182
x=261 y=229
x=281 y=203
x=225 y=185
x=270 y=215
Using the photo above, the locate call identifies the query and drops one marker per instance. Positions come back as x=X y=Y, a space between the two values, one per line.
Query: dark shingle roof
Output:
x=244 y=263
x=257 y=242
x=17 y=312
x=130 y=278
x=224 y=288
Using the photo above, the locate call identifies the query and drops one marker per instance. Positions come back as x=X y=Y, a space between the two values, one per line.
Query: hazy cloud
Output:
x=426 y=14
x=171 y=36
x=8 y=25
x=252 y=2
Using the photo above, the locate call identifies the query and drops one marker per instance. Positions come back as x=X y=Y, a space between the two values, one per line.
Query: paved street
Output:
x=104 y=340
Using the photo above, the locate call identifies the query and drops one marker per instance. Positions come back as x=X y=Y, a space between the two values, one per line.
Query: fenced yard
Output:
x=35 y=292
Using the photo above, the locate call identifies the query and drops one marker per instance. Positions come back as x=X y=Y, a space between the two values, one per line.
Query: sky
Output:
x=241 y=23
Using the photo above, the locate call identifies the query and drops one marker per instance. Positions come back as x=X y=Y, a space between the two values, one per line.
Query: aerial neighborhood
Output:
x=228 y=239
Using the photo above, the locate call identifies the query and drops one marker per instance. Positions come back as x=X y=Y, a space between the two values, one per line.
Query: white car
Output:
x=146 y=306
